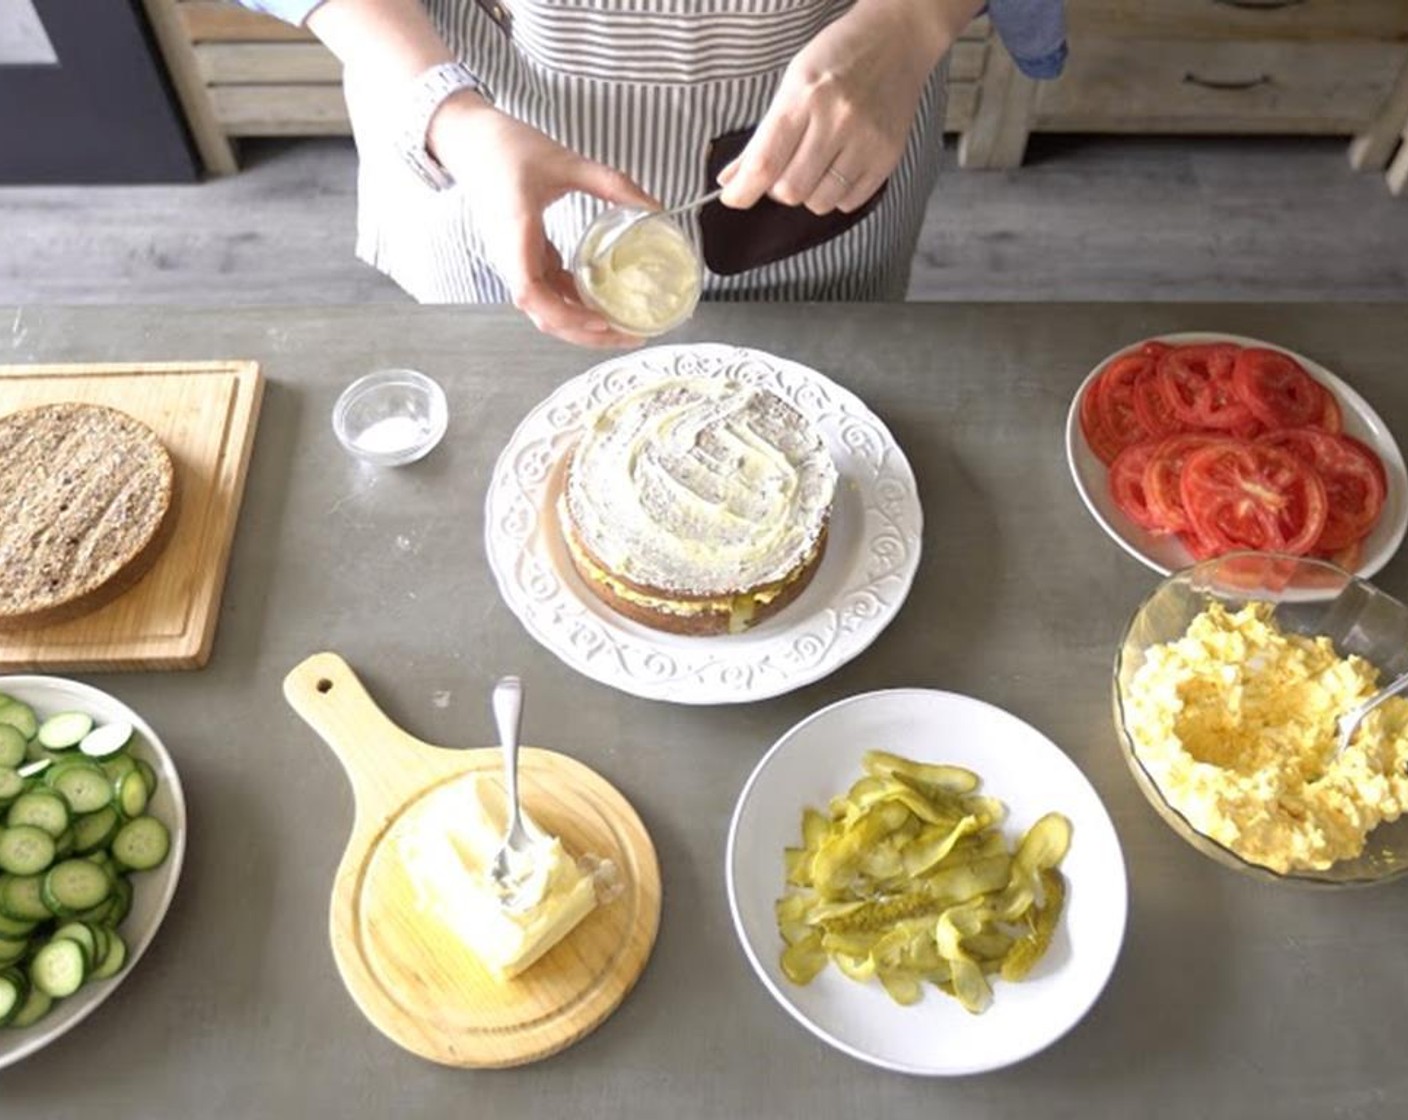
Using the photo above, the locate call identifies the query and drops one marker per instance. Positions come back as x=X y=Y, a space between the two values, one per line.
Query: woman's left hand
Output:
x=841 y=117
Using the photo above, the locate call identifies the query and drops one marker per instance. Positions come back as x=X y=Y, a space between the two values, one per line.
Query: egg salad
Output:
x=1235 y=723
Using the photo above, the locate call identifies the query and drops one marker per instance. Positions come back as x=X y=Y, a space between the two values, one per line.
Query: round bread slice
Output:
x=87 y=501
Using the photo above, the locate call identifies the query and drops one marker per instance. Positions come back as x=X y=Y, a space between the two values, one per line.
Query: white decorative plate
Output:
x=1165 y=553
x=871 y=555
x=151 y=890
x=821 y=757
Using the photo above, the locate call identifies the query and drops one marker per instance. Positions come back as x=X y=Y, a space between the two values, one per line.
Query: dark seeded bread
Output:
x=87 y=500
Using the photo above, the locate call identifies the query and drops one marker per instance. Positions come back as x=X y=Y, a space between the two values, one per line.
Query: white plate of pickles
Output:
x=92 y=834
x=926 y=882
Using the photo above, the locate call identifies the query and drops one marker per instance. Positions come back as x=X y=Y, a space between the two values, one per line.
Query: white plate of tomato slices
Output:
x=1184 y=446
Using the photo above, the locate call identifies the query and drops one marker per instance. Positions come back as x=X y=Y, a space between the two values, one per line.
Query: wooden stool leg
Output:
x=1373 y=148
x=997 y=138
x=1398 y=170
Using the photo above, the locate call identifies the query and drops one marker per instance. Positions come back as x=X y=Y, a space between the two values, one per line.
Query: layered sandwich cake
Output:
x=698 y=505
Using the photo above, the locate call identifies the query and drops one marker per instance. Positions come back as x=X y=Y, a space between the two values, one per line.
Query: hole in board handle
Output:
x=324 y=685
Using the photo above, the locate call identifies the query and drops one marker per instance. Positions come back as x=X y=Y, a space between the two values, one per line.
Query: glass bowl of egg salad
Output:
x=1228 y=685
x=639 y=269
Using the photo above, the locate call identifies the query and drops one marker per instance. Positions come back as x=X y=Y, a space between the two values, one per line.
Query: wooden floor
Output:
x=1087 y=218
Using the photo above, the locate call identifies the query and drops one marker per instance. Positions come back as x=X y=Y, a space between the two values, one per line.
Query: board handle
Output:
x=384 y=764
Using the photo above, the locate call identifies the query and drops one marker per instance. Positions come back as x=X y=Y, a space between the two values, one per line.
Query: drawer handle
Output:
x=1262 y=5
x=1216 y=83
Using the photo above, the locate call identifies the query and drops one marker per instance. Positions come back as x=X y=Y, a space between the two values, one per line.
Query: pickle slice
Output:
x=907 y=879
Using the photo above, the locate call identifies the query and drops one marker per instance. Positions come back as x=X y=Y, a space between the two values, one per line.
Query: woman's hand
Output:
x=512 y=173
x=838 y=124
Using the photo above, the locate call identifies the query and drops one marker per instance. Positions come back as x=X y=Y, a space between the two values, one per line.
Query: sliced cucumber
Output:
x=26 y=850
x=34 y=766
x=140 y=844
x=15 y=927
x=41 y=809
x=21 y=717
x=12 y=949
x=93 y=831
x=74 y=885
x=12 y=745
x=105 y=741
x=58 y=968
x=77 y=931
x=118 y=765
x=85 y=788
x=132 y=794
x=148 y=775
x=65 y=731
x=13 y=989
x=121 y=901
x=21 y=899
x=116 y=957
x=11 y=784
x=36 y=1006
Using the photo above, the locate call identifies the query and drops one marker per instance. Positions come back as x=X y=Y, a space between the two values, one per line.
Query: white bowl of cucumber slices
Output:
x=92 y=835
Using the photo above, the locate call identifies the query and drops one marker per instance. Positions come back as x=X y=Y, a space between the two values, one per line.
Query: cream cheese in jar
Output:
x=648 y=279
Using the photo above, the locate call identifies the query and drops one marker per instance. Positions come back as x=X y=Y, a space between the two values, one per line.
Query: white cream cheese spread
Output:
x=702 y=486
x=448 y=850
x=648 y=279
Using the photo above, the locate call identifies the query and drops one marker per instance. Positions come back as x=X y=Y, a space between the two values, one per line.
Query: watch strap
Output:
x=429 y=90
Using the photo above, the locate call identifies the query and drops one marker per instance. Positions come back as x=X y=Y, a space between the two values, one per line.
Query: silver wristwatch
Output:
x=428 y=92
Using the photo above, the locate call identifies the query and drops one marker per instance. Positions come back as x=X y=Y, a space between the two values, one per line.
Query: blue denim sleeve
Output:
x=291 y=11
x=1034 y=33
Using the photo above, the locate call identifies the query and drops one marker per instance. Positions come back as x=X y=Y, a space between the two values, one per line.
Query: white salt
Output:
x=393 y=434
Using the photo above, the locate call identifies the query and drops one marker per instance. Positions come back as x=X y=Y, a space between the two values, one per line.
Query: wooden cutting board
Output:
x=205 y=414
x=409 y=973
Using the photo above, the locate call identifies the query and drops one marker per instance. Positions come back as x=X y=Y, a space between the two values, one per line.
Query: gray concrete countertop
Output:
x=1230 y=998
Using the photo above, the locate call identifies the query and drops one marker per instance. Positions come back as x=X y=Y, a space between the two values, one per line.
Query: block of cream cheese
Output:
x=448 y=852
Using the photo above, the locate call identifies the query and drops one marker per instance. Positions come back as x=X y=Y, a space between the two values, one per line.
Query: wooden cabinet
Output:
x=1315 y=67
x=243 y=74
x=1167 y=66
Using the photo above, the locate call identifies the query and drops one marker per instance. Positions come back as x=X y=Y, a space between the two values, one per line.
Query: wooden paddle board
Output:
x=407 y=971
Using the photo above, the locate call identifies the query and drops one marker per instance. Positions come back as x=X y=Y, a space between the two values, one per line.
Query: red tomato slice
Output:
x=1330 y=419
x=1152 y=408
x=1356 y=483
x=1276 y=388
x=1107 y=415
x=1163 y=475
x=1154 y=348
x=1253 y=495
x=1127 y=484
x=1349 y=558
x=1197 y=383
x=1099 y=441
x=1198 y=548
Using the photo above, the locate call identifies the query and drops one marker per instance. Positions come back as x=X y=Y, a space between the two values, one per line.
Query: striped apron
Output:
x=642 y=86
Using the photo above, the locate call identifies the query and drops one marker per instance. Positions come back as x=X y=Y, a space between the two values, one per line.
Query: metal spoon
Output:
x=611 y=236
x=510 y=866
x=1349 y=723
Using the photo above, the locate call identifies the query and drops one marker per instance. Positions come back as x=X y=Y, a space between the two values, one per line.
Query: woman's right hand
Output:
x=512 y=173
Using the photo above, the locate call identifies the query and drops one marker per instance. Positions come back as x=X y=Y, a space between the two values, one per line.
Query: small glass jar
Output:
x=390 y=417
x=648 y=279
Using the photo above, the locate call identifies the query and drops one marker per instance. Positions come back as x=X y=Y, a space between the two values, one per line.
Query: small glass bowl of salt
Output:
x=390 y=417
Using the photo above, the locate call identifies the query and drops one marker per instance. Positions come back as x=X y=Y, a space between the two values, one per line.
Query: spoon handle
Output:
x=694 y=203
x=507 y=702
x=1351 y=720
